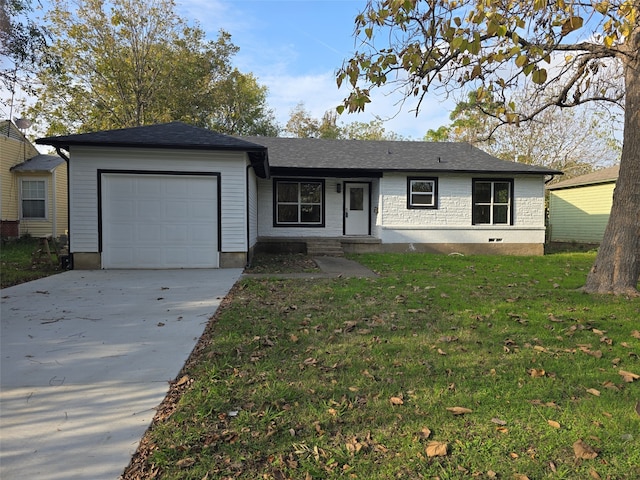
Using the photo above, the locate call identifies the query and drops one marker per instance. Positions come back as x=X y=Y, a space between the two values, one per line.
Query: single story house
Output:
x=579 y=207
x=33 y=188
x=177 y=196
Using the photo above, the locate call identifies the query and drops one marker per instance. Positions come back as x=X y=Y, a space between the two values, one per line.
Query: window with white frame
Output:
x=298 y=203
x=492 y=202
x=33 y=199
x=422 y=192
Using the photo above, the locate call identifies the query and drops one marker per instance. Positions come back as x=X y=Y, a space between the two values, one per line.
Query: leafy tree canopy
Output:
x=132 y=62
x=571 y=53
x=302 y=124
x=575 y=141
x=23 y=45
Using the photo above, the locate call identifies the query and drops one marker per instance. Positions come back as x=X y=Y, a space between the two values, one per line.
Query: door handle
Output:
x=346 y=214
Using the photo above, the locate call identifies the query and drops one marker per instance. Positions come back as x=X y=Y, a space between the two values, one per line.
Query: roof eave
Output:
x=582 y=184
x=67 y=145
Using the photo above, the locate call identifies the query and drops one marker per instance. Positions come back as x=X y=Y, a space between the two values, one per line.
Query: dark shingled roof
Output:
x=606 y=175
x=164 y=135
x=39 y=163
x=176 y=135
x=379 y=156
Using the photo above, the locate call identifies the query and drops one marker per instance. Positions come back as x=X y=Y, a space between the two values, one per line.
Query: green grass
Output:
x=344 y=378
x=16 y=262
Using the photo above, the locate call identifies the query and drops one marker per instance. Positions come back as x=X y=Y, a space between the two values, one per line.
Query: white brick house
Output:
x=176 y=196
x=403 y=196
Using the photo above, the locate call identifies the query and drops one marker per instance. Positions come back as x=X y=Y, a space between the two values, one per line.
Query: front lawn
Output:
x=443 y=367
x=17 y=262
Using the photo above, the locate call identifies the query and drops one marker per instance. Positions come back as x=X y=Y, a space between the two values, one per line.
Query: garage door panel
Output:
x=149 y=234
x=159 y=221
x=122 y=233
x=201 y=233
x=177 y=210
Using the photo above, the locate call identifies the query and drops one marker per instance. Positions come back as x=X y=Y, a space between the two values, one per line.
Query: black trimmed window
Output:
x=422 y=192
x=34 y=199
x=298 y=203
x=493 y=202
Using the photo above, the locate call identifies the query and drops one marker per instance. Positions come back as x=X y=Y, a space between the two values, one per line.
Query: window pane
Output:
x=481 y=214
x=356 y=199
x=483 y=192
x=310 y=213
x=33 y=189
x=298 y=202
x=33 y=209
x=423 y=199
x=501 y=192
x=421 y=186
x=310 y=192
x=287 y=192
x=287 y=213
x=500 y=214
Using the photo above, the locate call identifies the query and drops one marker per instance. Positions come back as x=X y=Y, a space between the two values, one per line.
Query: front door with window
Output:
x=356 y=209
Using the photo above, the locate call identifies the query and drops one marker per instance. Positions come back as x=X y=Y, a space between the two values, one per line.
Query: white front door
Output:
x=356 y=209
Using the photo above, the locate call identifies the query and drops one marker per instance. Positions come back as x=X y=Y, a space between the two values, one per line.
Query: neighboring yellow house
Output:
x=579 y=207
x=33 y=188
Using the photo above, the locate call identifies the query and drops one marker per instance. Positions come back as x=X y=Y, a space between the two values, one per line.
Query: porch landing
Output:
x=319 y=246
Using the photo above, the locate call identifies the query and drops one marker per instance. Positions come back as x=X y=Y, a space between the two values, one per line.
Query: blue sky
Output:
x=295 y=47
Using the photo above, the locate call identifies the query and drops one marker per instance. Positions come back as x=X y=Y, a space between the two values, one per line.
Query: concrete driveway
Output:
x=86 y=356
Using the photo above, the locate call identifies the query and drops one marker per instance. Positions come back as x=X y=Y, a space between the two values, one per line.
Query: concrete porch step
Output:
x=325 y=247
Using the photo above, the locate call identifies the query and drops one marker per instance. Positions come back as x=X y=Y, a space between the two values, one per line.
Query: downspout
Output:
x=54 y=207
x=66 y=160
x=551 y=177
x=248 y=211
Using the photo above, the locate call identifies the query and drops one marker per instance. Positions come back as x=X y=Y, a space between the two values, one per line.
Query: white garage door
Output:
x=159 y=221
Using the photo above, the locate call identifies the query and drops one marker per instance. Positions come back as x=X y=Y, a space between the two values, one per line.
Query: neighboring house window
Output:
x=34 y=199
x=492 y=202
x=422 y=192
x=299 y=203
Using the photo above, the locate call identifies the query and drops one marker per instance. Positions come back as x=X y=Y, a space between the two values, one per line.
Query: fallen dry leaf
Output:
x=628 y=376
x=498 y=421
x=553 y=423
x=436 y=449
x=536 y=373
x=459 y=410
x=396 y=401
x=636 y=334
x=594 y=474
x=638 y=408
x=425 y=433
x=183 y=380
x=185 y=462
x=583 y=451
x=520 y=476
x=593 y=391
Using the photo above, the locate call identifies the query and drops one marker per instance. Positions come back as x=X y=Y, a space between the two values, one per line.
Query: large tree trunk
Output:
x=617 y=266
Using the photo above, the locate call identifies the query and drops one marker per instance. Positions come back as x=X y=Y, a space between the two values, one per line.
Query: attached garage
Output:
x=161 y=196
x=159 y=221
